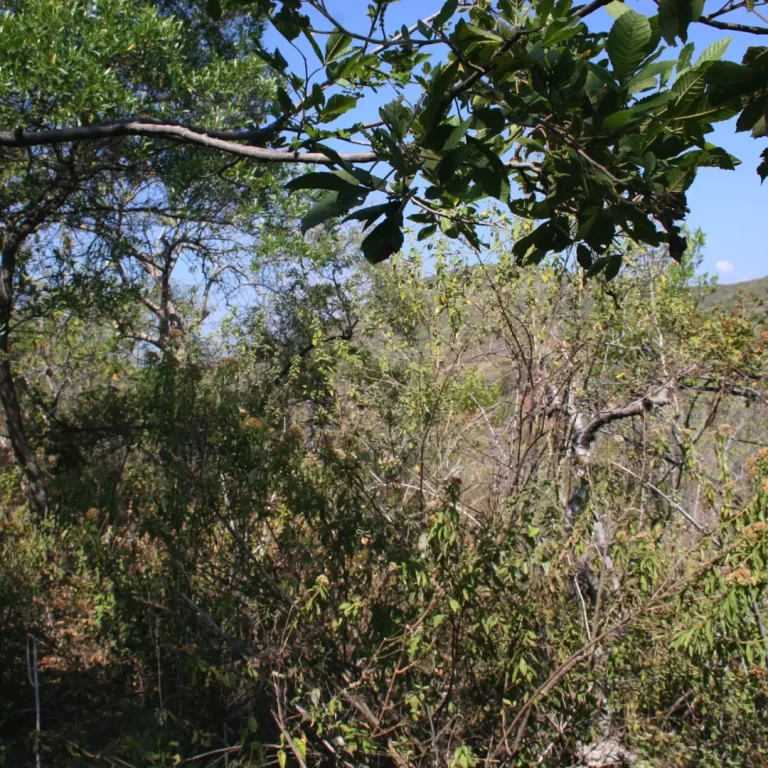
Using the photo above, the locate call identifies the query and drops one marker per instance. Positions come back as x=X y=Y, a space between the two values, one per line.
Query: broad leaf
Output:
x=627 y=41
x=318 y=180
x=337 y=105
x=330 y=207
x=675 y=16
x=714 y=52
x=373 y=212
x=336 y=45
x=762 y=169
x=617 y=8
x=445 y=13
x=385 y=240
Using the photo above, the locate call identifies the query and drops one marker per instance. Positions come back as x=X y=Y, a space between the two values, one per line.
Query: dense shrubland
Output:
x=492 y=516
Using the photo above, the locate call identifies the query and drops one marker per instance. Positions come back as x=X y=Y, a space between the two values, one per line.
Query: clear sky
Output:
x=727 y=205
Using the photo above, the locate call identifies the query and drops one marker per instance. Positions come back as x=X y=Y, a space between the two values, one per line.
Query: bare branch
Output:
x=584 y=437
x=168 y=130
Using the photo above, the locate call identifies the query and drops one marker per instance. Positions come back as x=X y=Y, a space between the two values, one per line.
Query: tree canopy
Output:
x=592 y=135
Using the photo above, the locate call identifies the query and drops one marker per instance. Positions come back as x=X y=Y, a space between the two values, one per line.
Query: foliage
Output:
x=317 y=547
x=595 y=136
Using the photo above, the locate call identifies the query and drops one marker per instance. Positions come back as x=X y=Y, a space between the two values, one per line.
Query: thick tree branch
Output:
x=585 y=10
x=168 y=130
x=585 y=436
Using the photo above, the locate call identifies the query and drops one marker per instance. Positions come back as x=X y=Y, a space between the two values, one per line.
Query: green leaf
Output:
x=688 y=88
x=612 y=267
x=396 y=116
x=445 y=13
x=617 y=120
x=544 y=9
x=675 y=16
x=729 y=73
x=451 y=163
x=653 y=102
x=344 y=68
x=316 y=98
x=337 y=105
x=684 y=60
x=253 y=726
x=455 y=605
x=457 y=134
x=617 y=8
x=649 y=73
x=318 y=180
x=597 y=231
x=328 y=207
x=311 y=40
x=714 y=52
x=284 y=100
x=335 y=46
x=468 y=32
x=560 y=30
x=762 y=169
x=583 y=256
x=426 y=232
x=438 y=88
x=627 y=41
x=385 y=240
x=492 y=174
x=603 y=264
x=370 y=214
x=491 y=119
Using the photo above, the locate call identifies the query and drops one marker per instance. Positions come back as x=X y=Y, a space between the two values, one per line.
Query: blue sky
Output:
x=727 y=205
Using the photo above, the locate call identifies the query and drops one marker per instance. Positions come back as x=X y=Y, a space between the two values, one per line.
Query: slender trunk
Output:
x=9 y=397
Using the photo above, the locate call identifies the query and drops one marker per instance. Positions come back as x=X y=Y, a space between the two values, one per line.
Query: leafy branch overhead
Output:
x=594 y=136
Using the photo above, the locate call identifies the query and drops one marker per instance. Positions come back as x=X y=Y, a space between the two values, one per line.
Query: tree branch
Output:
x=168 y=130
x=731 y=27
x=583 y=438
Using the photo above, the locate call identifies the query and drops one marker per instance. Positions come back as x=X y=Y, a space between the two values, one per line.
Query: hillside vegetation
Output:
x=380 y=520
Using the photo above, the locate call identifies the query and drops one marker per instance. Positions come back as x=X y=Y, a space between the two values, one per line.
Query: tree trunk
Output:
x=9 y=397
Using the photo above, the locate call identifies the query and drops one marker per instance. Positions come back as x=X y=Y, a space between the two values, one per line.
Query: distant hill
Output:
x=727 y=294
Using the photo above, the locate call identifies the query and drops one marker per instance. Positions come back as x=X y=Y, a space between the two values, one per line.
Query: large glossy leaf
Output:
x=445 y=13
x=617 y=8
x=373 y=212
x=675 y=16
x=688 y=88
x=714 y=52
x=561 y=30
x=337 y=105
x=627 y=42
x=649 y=73
x=385 y=240
x=329 y=207
x=327 y=181
x=336 y=45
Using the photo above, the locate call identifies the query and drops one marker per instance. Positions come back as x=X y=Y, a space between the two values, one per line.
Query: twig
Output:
x=687 y=515
x=33 y=679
